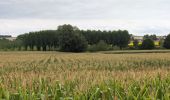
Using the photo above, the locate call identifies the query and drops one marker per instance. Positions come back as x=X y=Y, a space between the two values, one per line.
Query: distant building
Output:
x=8 y=37
x=140 y=40
x=138 y=37
x=5 y=36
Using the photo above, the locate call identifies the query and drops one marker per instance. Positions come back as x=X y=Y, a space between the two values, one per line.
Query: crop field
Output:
x=84 y=76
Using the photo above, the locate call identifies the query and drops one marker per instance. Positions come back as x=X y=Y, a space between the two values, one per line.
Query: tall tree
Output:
x=167 y=42
x=153 y=37
x=148 y=44
x=136 y=44
x=70 y=40
x=121 y=39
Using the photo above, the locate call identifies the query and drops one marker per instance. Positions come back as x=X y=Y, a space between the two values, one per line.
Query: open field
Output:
x=84 y=76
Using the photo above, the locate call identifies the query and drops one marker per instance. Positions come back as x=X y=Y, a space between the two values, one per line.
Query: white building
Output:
x=8 y=37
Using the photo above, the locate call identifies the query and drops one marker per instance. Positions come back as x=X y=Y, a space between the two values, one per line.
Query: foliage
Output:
x=116 y=38
x=10 y=45
x=167 y=42
x=136 y=44
x=84 y=76
x=70 y=40
x=40 y=39
x=121 y=39
x=101 y=46
x=148 y=44
x=152 y=37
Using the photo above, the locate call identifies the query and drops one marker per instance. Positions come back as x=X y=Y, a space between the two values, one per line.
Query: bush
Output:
x=136 y=44
x=9 y=45
x=167 y=42
x=100 y=46
x=148 y=44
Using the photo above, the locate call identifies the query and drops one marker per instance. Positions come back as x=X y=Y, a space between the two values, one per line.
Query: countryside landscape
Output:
x=77 y=66
x=84 y=50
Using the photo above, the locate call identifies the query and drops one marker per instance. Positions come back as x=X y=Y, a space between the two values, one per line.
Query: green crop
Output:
x=84 y=76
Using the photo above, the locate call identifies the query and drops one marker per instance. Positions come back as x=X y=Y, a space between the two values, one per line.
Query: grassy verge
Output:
x=135 y=51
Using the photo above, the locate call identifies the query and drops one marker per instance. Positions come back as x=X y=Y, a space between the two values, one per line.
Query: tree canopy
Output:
x=153 y=37
x=121 y=39
x=70 y=38
x=148 y=44
x=167 y=42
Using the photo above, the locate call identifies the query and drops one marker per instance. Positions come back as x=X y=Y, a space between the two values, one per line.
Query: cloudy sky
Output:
x=139 y=17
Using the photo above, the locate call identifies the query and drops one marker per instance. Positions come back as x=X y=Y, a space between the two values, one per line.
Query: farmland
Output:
x=84 y=76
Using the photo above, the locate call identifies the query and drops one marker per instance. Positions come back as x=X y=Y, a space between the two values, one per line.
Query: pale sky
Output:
x=139 y=17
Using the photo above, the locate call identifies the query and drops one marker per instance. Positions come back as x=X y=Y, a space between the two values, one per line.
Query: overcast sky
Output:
x=139 y=17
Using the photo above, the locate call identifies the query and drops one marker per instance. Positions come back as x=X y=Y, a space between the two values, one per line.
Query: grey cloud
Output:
x=94 y=14
x=84 y=9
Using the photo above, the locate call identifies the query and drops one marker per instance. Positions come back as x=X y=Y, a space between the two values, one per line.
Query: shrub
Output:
x=148 y=44
x=100 y=46
x=167 y=42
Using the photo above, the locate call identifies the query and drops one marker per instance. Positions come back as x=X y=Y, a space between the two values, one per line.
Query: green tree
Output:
x=167 y=42
x=136 y=44
x=148 y=44
x=40 y=39
x=70 y=40
x=121 y=39
x=153 y=37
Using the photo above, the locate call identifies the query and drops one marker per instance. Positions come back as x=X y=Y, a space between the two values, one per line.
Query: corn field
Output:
x=84 y=76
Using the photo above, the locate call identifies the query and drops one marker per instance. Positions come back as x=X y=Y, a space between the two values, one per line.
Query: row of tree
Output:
x=40 y=40
x=70 y=39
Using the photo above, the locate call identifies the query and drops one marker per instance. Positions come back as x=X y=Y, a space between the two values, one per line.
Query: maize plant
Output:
x=84 y=76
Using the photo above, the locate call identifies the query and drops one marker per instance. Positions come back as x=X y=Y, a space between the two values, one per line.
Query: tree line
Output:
x=70 y=39
x=40 y=40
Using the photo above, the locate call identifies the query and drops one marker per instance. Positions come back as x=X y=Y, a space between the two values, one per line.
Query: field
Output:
x=84 y=76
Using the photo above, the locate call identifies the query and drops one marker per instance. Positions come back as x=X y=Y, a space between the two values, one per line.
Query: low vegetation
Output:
x=84 y=76
x=148 y=44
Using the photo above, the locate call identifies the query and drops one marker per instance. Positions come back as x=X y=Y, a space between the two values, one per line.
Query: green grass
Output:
x=135 y=51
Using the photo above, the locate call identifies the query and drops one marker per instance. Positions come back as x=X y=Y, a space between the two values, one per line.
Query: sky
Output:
x=139 y=17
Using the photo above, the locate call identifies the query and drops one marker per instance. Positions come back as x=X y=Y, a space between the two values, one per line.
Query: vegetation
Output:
x=101 y=46
x=136 y=44
x=70 y=40
x=148 y=44
x=152 y=37
x=106 y=75
x=41 y=40
x=10 y=45
x=167 y=42
x=121 y=39
x=84 y=76
x=135 y=51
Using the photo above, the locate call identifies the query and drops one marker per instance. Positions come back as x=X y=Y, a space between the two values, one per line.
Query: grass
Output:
x=135 y=51
x=84 y=76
